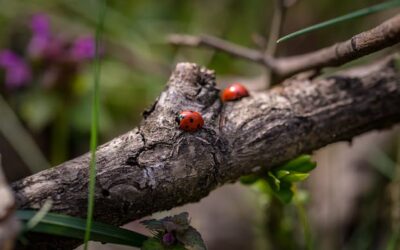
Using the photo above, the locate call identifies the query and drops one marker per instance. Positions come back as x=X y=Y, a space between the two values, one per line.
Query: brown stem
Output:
x=221 y=45
x=275 y=32
x=276 y=27
x=382 y=36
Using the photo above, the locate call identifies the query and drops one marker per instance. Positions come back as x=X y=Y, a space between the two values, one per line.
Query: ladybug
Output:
x=190 y=121
x=234 y=92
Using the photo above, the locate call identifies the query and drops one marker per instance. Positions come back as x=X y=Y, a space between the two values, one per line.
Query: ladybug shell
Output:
x=234 y=92
x=190 y=121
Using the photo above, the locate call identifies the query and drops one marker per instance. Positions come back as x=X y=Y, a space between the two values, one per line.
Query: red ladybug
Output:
x=189 y=121
x=234 y=92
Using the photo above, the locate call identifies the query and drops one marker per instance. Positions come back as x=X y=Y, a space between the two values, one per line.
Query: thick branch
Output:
x=157 y=166
x=9 y=226
x=378 y=38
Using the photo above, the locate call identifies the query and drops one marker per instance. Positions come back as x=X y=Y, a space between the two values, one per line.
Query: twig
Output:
x=275 y=32
x=221 y=45
x=276 y=27
x=382 y=36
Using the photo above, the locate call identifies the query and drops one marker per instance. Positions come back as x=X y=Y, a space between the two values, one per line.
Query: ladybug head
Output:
x=179 y=118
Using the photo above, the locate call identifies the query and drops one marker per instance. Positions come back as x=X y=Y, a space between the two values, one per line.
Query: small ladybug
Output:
x=234 y=92
x=189 y=120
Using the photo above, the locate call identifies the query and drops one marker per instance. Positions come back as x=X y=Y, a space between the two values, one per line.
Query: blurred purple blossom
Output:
x=58 y=56
x=83 y=48
x=17 y=71
x=40 y=25
x=41 y=36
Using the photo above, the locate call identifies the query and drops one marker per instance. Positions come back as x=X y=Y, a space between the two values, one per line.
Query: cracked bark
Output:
x=156 y=167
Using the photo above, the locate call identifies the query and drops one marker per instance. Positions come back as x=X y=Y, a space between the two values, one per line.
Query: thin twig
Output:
x=221 y=45
x=382 y=36
x=278 y=19
x=276 y=27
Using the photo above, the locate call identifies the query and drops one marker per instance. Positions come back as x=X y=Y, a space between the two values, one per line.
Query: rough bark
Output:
x=157 y=166
x=9 y=225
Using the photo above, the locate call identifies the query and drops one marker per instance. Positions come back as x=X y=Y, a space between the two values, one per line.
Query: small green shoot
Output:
x=280 y=180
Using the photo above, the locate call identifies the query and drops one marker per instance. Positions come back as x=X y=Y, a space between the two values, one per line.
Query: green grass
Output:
x=352 y=15
x=95 y=122
x=67 y=226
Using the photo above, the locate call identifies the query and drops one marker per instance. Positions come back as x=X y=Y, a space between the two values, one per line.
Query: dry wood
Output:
x=156 y=166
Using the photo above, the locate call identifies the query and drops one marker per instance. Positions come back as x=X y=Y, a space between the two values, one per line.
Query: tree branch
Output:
x=378 y=38
x=157 y=167
x=221 y=45
x=9 y=225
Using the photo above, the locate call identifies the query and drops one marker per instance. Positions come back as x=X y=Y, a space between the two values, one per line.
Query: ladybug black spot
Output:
x=187 y=126
x=191 y=120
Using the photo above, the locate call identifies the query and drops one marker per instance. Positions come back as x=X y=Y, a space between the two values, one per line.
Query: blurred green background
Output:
x=136 y=63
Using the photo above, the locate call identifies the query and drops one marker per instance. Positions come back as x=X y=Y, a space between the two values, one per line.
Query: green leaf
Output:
x=281 y=173
x=285 y=193
x=249 y=179
x=63 y=225
x=273 y=181
x=263 y=186
x=177 y=247
x=301 y=164
x=191 y=237
x=152 y=244
x=352 y=15
x=295 y=177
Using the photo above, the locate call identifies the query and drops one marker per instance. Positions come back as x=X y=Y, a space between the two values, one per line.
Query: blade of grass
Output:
x=95 y=122
x=63 y=225
x=352 y=15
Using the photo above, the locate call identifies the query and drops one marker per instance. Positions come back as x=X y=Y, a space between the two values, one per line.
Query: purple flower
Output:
x=41 y=36
x=40 y=25
x=168 y=239
x=84 y=48
x=17 y=71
